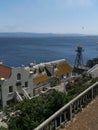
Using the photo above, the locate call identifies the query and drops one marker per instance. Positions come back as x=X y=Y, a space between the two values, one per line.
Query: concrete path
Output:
x=85 y=120
x=3 y=124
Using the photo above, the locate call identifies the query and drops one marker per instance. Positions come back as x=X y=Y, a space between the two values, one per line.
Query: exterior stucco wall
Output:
x=25 y=87
x=12 y=81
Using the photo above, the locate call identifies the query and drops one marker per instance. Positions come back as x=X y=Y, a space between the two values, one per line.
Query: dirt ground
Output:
x=86 y=119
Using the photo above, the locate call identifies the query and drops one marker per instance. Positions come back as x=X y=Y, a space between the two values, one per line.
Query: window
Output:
x=43 y=69
x=0 y=87
x=18 y=84
x=26 y=84
x=67 y=75
x=35 y=71
x=18 y=76
x=10 y=89
x=54 y=66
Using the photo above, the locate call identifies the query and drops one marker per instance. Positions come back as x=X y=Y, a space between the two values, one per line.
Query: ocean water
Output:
x=22 y=51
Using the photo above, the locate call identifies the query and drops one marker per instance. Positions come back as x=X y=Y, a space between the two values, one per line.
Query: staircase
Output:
x=19 y=98
x=26 y=95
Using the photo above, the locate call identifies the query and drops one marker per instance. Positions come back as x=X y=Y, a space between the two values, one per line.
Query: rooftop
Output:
x=5 y=71
x=45 y=71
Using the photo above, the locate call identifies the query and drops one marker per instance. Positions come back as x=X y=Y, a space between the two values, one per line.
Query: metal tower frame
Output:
x=79 y=57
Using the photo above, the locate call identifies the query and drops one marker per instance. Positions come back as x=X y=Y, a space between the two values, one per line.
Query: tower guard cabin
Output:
x=79 y=67
x=79 y=57
x=19 y=83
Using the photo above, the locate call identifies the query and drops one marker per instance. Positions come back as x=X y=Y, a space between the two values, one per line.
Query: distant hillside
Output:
x=22 y=34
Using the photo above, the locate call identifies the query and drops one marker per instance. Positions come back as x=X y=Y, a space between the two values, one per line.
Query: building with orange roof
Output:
x=15 y=84
x=19 y=83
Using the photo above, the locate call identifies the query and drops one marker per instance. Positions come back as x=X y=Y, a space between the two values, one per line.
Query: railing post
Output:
x=60 y=119
x=65 y=116
x=55 y=123
x=77 y=104
x=50 y=128
x=92 y=94
x=80 y=102
x=70 y=111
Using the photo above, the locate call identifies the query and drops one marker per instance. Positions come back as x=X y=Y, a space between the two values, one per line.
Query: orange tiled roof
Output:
x=5 y=71
x=62 y=68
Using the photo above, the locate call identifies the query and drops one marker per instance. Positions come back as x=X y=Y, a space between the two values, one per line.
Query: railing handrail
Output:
x=26 y=94
x=63 y=108
x=19 y=97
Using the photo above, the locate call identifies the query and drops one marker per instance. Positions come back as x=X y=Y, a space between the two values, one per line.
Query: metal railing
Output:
x=68 y=111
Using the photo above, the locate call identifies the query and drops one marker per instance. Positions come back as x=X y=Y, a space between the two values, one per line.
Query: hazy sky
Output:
x=49 y=16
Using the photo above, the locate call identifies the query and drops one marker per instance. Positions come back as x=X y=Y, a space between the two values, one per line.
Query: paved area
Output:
x=60 y=87
x=85 y=120
x=3 y=124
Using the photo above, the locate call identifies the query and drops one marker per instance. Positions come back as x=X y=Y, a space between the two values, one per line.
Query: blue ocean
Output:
x=22 y=51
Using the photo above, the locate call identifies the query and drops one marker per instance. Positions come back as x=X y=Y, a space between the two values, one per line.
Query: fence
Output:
x=68 y=111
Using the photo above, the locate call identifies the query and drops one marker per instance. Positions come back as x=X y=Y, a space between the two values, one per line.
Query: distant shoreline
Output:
x=32 y=35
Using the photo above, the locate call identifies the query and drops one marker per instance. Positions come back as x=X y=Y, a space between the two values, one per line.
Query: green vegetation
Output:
x=2 y=128
x=35 y=111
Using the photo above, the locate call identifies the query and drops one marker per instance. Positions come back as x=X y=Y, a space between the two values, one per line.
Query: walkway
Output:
x=3 y=124
x=85 y=120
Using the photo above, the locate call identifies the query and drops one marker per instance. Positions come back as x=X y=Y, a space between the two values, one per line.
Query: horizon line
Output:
x=49 y=33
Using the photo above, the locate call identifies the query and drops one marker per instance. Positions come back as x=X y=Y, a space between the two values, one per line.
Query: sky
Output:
x=49 y=16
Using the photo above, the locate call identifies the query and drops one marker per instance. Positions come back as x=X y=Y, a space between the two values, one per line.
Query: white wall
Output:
x=93 y=71
x=25 y=77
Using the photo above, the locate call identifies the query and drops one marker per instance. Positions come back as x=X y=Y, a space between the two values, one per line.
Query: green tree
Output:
x=35 y=111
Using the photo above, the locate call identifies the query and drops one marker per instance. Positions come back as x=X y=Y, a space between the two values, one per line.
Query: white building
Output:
x=19 y=83
x=93 y=71
x=14 y=83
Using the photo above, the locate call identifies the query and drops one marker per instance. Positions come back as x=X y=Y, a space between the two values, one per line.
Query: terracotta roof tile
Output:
x=5 y=71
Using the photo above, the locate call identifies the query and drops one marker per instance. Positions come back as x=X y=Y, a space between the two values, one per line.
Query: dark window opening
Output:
x=35 y=71
x=10 y=102
x=18 y=84
x=0 y=87
x=10 y=89
x=26 y=84
x=18 y=76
